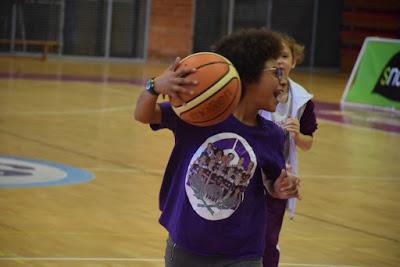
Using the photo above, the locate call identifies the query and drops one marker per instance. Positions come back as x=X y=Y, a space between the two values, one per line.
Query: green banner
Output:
x=375 y=80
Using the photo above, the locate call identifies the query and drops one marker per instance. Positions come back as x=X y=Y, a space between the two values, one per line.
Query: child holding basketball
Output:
x=215 y=213
x=295 y=114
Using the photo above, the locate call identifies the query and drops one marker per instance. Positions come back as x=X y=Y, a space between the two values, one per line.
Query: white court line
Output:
x=146 y=260
x=71 y=112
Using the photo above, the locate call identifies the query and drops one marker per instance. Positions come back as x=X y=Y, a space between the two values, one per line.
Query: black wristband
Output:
x=150 y=87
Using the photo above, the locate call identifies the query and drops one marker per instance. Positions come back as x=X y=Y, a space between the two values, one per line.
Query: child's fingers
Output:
x=175 y=64
x=291 y=121
x=177 y=86
x=293 y=193
x=291 y=124
x=289 y=194
x=182 y=90
x=289 y=187
x=292 y=129
x=183 y=72
x=298 y=182
x=184 y=81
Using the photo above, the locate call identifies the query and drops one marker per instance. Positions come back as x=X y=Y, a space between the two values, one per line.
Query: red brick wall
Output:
x=170 y=31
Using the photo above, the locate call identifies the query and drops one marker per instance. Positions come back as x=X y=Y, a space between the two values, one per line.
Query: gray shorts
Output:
x=177 y=257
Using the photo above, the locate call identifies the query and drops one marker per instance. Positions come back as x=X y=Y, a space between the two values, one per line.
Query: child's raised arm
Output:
x=171 y=83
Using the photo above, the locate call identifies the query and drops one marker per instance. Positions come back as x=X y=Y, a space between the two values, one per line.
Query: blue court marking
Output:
x=23 y=172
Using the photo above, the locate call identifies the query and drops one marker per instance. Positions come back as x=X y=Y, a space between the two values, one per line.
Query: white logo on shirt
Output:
x=219 y=174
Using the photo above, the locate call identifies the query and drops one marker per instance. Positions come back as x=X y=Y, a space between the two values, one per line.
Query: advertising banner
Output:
x=375 y=78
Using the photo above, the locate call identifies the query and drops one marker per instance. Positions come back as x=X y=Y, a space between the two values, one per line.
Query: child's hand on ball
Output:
x=172 y=81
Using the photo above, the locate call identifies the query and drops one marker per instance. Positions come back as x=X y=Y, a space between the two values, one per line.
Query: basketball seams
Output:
x=212 y=85
x=214 y=88
x=217 y=115
x=208 y=53
x=211 y=63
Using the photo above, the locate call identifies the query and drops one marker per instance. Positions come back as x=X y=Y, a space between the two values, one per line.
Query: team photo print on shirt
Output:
x=218 y=175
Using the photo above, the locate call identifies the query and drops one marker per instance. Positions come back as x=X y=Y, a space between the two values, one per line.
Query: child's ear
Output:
x=294 y=62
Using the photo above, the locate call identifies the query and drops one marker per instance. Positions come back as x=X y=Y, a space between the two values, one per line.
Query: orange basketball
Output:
x=216 y=94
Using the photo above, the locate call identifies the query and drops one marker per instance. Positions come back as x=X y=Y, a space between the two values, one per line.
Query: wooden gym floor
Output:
x=80 y=114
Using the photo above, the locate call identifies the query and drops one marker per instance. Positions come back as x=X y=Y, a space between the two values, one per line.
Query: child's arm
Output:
x=171 y=82
x=146 y=110
x=303 y=141
x=302 y=131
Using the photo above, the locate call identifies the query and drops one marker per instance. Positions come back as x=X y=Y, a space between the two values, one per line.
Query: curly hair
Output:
x=248 y=50
x=295 y=47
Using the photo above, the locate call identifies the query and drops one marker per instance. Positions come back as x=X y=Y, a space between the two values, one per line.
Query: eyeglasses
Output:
x=278 y=72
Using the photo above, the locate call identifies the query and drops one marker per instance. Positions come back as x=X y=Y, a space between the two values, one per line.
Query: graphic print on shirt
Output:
x=218 y=175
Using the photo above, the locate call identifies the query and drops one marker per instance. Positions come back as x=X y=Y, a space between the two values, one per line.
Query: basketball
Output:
x=216 y=94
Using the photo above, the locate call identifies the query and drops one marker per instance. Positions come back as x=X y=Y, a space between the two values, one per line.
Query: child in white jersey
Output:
x=295 y=114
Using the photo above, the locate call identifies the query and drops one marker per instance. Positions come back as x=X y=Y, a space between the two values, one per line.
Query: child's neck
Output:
x=246 y=114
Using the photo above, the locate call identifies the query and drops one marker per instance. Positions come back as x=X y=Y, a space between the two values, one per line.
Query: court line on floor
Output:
x=71 y=112
x=68 y=78
x=64 y=149
x=340 y=225
x=22 y=259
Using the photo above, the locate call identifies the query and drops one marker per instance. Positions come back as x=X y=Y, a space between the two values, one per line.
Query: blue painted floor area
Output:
x=23 y=172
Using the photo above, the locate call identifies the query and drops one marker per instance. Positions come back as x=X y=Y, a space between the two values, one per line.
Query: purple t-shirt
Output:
x=212 y=196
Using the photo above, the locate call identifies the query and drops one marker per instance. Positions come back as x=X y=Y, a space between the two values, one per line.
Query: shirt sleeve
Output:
x=308 y=121
x=169 y=120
